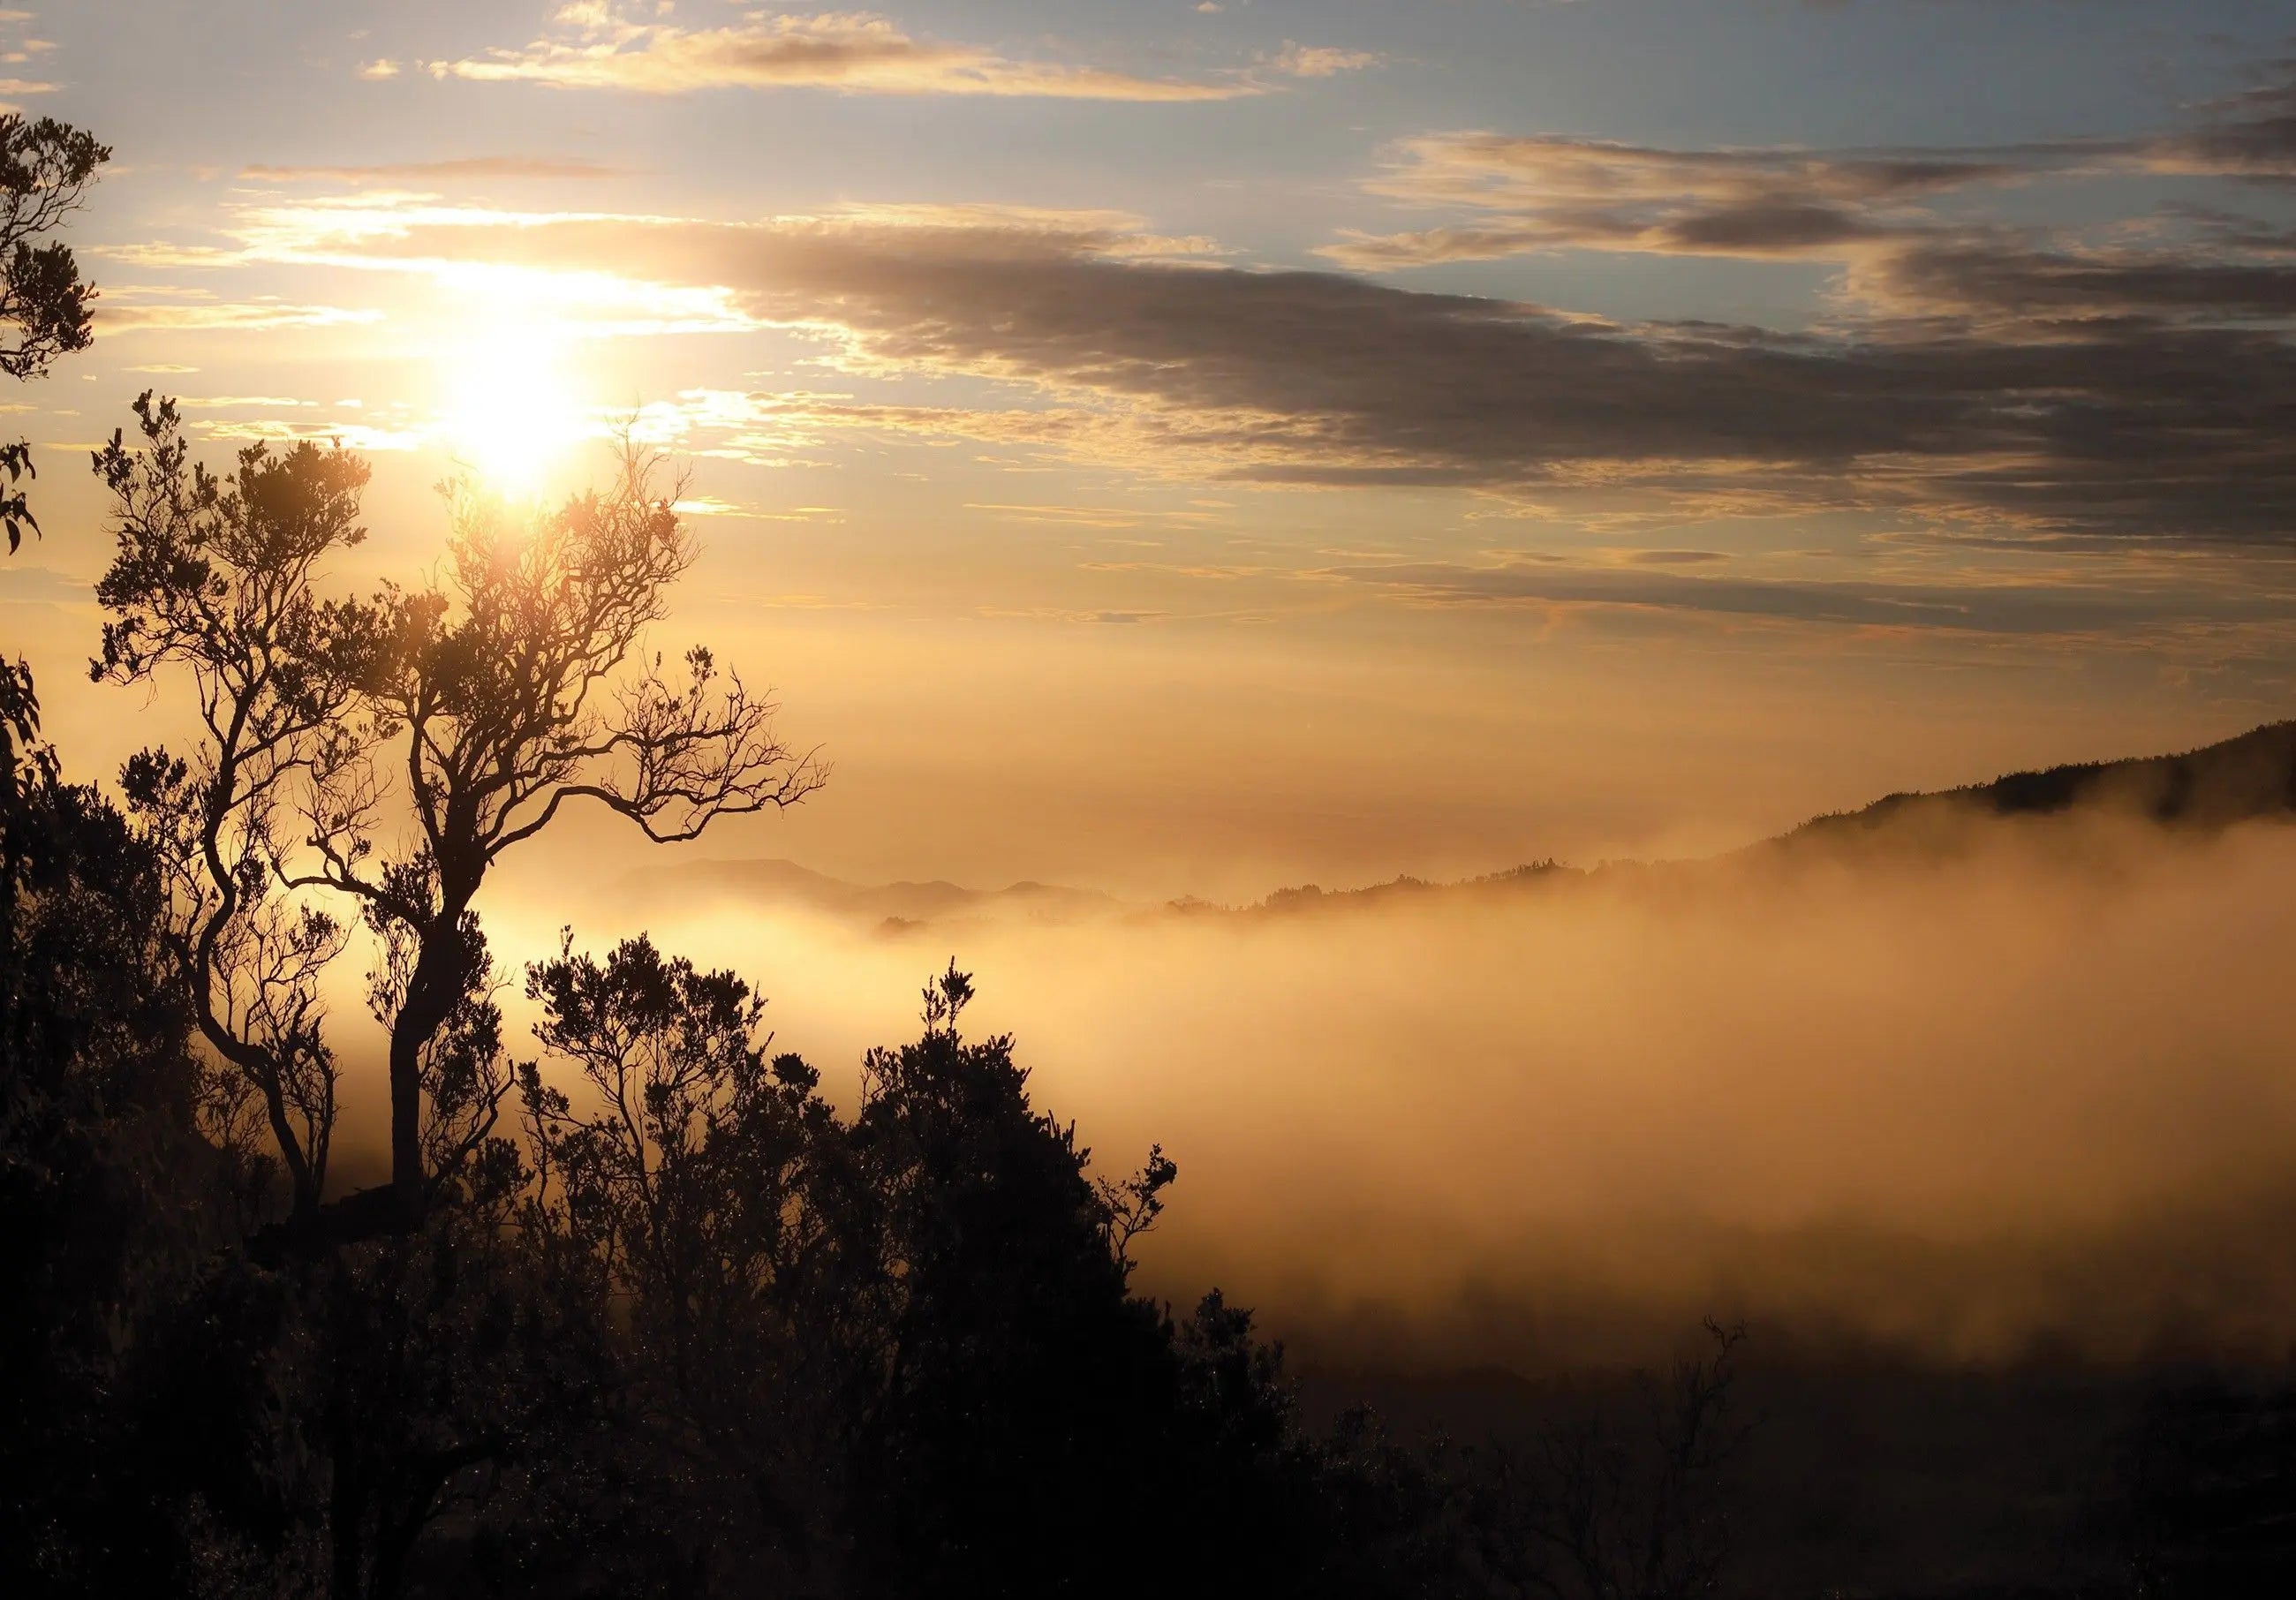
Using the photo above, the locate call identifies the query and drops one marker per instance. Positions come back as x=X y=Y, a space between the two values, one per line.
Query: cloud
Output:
x=852 y=52
x=238 y=402
x=1559 y=192
x=352 y=436
x=1976 y=276
x=1500 y=171
x=2127 y=428
x=1545 y=192
x=38 y=586
x=2250 y=134
x=115 y=316
x=430 y=172
x=1306 y=61
x=1671 y=558
x=1995 y=608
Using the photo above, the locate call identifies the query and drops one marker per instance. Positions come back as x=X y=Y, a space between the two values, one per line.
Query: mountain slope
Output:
x=2243 y=779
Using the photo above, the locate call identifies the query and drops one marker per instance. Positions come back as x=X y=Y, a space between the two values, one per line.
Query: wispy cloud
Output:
x=1876 y=211
x=1923 y=273
x=352 y=436
x=1977 y=607
x=1313 y=61
x=598 y=47
x=457 y=169
x=1546 y=192
x=123 y=311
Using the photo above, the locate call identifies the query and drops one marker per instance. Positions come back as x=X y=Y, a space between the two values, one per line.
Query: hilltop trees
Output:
x=894 y=1352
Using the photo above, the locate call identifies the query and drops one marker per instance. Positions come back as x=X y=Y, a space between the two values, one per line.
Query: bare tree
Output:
x=216 y=576
x=497 y=694
x=1599 y=1508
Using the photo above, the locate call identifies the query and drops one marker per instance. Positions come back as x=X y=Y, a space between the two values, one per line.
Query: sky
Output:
x=1188 y=448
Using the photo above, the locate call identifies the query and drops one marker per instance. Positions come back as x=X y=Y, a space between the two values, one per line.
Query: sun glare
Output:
x=509 y=411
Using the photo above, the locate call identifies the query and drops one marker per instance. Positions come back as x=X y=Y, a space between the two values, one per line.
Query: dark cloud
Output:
x=2250 y=134
x=1989 y=608
x=1876 y=211
x=1769 y=227
x=2126 y=426
x=1972 y=276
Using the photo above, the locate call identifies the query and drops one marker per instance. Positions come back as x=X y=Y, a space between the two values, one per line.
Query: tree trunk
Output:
x=433 y=989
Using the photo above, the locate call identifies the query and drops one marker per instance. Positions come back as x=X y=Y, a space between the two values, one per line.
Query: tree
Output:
x=218 y=577
x=713 y=1190
x=1606 y=1508
x=495 y=694
x=107 y=1194
x=45 y=167
x=890 y=1354
x=1018 y=1370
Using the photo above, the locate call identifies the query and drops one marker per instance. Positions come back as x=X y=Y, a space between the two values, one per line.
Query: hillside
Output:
x=2242 y=779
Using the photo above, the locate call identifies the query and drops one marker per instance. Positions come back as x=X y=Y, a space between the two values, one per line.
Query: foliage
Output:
x=474 y=710
x=495 y=694
x=45 y=167
x=215 y=577
x=105 y=1187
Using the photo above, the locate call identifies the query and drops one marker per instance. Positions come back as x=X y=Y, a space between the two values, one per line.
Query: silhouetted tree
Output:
x=714 y=1191
x=1610 y=1508
x=496 y=695
x=45 y=167
x=897 y=1354
x=498 y=698
x=105 y=1185
x=2206 y=1501
x=216 y=577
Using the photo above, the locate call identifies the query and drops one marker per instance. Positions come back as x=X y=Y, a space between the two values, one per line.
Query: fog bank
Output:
x=2035 y=1089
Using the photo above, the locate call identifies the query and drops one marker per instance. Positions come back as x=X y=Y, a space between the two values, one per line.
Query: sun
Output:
x=509 y=411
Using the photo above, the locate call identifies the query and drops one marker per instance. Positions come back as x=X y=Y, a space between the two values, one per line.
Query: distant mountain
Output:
x=891 y=905
x=1395 y=891
x=2248 y=778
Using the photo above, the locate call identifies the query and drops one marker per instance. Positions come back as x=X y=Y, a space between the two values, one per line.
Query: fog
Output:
x=2028 y=1092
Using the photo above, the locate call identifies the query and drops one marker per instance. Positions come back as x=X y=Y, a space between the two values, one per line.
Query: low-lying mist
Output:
x=2031 y=1092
